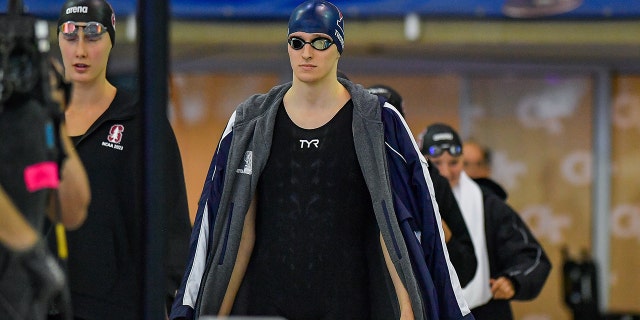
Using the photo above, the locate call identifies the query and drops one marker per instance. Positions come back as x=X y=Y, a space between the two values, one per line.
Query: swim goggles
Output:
x=317 y=43
x=437 y=150
x=92 y=30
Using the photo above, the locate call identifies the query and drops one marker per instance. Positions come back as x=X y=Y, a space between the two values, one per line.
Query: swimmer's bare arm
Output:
x=242 y=260
x=74 y=191
x=406 y=311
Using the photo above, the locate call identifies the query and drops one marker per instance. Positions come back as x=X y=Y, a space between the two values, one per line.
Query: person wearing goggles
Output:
x=315 y=61
x=435 y=151
x=105 y=124
x=309 y=224
x=443 y=147
x=92 y=30
x=512 y=265
x=319 y=43
x=85 y=49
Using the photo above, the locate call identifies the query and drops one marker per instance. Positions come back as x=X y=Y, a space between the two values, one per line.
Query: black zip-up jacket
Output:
x=513 y=252
x=460 y=247
x=105 y=255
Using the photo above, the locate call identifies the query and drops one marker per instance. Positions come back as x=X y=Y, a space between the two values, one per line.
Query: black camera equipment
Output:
x=24 y=50
x=25 y=79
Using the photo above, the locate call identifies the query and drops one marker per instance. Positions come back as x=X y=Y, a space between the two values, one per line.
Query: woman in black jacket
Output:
x=105 y=124
x=512 y=265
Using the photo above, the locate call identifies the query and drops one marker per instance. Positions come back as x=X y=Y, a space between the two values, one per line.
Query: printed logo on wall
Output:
x=546 y=108
x=626 y=111
x=509 y=171
x=544 y=223
x=625 y=221
x=576 y=168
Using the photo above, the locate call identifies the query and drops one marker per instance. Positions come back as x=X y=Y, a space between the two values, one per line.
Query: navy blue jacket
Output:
x=395 y=173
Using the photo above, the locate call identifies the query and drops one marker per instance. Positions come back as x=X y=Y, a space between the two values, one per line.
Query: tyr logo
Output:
x=308 y=143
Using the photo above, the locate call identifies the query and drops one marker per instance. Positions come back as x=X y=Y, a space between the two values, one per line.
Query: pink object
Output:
x=41 y=175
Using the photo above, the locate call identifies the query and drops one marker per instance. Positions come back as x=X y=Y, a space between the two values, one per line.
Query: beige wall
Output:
x=625 y=200
x=201 y=107
x=539 y=130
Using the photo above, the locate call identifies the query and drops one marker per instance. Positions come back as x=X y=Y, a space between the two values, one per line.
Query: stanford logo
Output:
x=115 y=133
x=114 y=137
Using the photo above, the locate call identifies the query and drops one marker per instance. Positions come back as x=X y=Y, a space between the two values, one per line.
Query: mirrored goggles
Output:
x=92 y=30
x=437 y=150
x=317 y=43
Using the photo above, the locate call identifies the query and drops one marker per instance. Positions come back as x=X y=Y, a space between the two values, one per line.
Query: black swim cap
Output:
x=318 y=16
x=439 y=137
x=391 y=95
x=89 y=10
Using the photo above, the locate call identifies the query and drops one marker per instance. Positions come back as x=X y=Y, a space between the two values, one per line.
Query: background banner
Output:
x=464 y=9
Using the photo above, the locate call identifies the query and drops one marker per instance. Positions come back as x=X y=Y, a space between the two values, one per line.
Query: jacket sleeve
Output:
x=460 y=246
x=417 y=213
x=517 y=253
x=200 y=242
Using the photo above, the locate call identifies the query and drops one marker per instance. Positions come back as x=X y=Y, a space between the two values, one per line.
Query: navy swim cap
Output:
x=318 y=16
x=89 y=10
